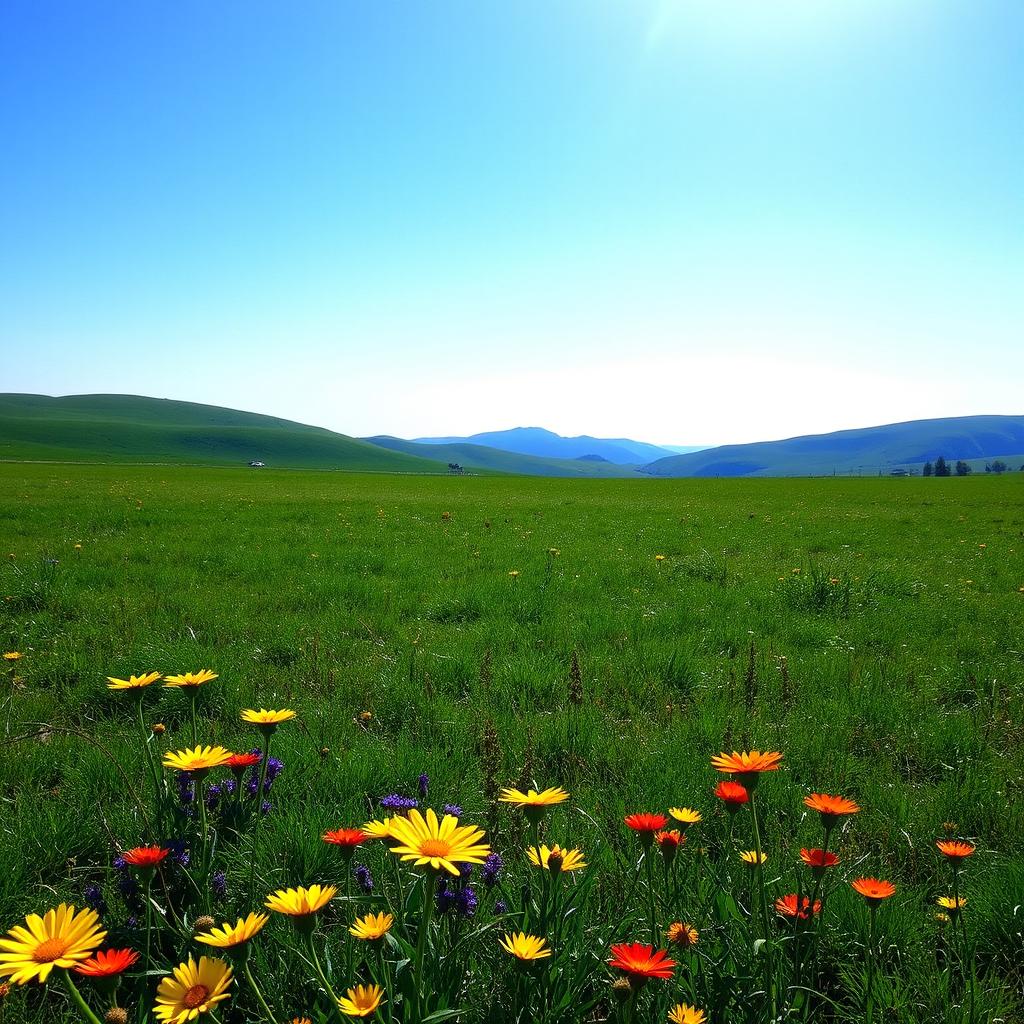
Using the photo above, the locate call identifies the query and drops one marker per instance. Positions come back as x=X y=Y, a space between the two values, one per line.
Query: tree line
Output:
x=942 y=468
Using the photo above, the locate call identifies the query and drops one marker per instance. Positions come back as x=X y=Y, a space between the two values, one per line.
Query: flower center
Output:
x=195 y=996
x=435 y=848
x=50 y=950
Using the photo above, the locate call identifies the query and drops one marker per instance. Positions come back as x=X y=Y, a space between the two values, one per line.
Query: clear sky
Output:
x=683 y=221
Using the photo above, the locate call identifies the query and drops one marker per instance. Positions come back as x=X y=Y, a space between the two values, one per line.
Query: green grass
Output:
x=338 y=594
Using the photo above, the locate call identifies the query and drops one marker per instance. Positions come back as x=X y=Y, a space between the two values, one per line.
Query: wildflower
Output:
x=423 y=784
x=751 y=858
x=238 y=763
x=133 y=682
x=190 y=680
x=747 y=766
x=555 y=859
x=513 y=573
x=267 y=721
x=438 y=845
x=346 y=839
x=203 y=923
x=115 y=1015
x=525 y=947
x=640 y=961
x=158 y=728
x=300 y=1020
x=659 y=558
x=500 y=908
x=379 y=829
x=952 y=904
x=732 y=794
x=147 y=858
x=198 y=760
x=228 y=936
x=453 y=809
x=819 y=861
x=60 y=938
x=372 y=927
x=954 y=850
x=874 y=890
x=301 y=902
x=13 y=656
x=831 y=808
x=669 y=841
x=365 y=717
x=466 y=901
x=788 y=906
x=192 y=989
x=533 y=803
x=645 y=825
x=219 y=884
x=682 y=934
x=683 y=1013
x=93 y=897
x=686 y=816
x=396 y=802
x=361 y=1001
x=491 y=869
x=107 y=963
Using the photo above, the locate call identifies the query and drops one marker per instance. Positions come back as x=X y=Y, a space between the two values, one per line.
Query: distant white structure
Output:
x=256 y=464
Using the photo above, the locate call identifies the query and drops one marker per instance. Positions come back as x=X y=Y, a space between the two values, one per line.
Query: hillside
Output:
x=866 y=450
x=480 y=458
x=548 y=445
x=129 y=428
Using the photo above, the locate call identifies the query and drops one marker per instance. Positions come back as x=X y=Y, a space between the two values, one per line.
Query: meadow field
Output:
x=604 y=636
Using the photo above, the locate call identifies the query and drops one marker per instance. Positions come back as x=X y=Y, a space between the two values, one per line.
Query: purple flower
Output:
x=132 y=923
x=424 y=784
x=213 y=797
x=500 y=907
x=265 y=807
x=363 y=877
x=127 y=886
x=219 y=884
x=453 y=809
x=186 y=791
x=491 y=869
x=179 y=851
x=120 y=864
x=465 y=870
x=465 y=899
x=229 y=786
x=395 y=802
x=94 y=899
x=274 y=768
x=445 y=897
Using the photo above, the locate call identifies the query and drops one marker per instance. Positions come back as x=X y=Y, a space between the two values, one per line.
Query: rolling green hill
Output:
x=478 y=457
x=868 y=450
x=129 y=428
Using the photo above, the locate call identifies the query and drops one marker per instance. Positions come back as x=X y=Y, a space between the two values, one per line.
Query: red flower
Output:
x=239 y=762
x=649 y=823
x=954 y=849
x=107 y=962
x=732 y=793
x=346 y=837
x=145 y=856
x=641 y=961
x=787 y=906
x=819 y=858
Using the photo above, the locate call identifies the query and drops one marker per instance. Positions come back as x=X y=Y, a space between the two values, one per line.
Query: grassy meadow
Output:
x=870 y=629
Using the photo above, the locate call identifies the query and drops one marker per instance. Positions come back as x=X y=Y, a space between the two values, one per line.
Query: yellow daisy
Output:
x=190 y=679
x=361 y=1001
x=954 y=904
x=531 y=798
x=683 y=1013
x=372 y=927
x=192 y=989
x=133 y=682
x=237 y=934
x=555 y=859
x=301 y=902
x=13 y=655
x=437 y=844
x=60 y=938
x=198 y=759
x=267 y=720
x=379 y=829
x=749 y=857
x=525 y=947
x=685 y=815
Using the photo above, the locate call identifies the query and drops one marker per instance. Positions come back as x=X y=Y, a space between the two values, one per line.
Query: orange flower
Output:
x=669 y=841
x=787 y=906
x=107 y=962
x=874 y=890
x=145 y=856
x=954 y=849
x=831 y=808
x=682 y=934
x=646 y=822
x=819 y=860
x=346 y=837
x=732 y=794
x=239 y=762
x=748 y=766
x=643 y=962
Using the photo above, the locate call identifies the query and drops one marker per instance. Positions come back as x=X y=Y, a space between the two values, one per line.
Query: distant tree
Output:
x=927 y=470
x=942 y=467
x=998 y=466
x=962 y=469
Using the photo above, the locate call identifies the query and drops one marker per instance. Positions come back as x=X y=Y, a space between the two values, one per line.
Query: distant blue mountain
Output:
x=549 y=445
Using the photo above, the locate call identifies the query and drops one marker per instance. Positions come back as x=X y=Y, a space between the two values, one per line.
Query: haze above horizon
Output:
x=675 y=221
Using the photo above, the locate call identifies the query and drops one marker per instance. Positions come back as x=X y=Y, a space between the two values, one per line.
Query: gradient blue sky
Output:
x=690 y=221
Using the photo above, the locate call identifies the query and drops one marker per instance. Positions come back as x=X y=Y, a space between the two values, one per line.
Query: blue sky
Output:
x=679 y=220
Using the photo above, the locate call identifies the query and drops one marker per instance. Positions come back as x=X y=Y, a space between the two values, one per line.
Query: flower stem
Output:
x=259 y=994
x=258 y=815
x=323 y=977
x=869 y=999
x=80 y=1003
x=205 y=826
x=759 y=869
x=650 y=894
x=421 y=940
